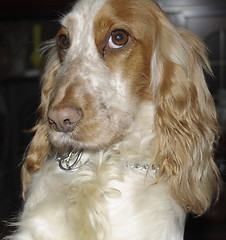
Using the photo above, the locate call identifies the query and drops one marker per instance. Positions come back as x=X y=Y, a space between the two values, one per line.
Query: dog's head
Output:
x=109 y=58
x=103 y=59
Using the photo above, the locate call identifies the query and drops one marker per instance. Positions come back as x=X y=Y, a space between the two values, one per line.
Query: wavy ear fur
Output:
x=185 y=123
x=40 y=147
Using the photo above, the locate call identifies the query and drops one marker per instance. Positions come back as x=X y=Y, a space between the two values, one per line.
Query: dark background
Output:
x=25 y=24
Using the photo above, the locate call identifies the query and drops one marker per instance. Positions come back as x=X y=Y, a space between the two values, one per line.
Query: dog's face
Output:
x=103 y=74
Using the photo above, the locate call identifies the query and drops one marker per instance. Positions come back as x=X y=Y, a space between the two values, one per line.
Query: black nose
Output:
x=64 y=119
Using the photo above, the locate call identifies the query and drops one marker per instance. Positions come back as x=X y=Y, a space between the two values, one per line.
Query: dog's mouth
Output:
x=87 y=122
x=93 y=133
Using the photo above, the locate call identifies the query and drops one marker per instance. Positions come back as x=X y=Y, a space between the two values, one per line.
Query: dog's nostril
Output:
x=64 y=119
x=67 y=122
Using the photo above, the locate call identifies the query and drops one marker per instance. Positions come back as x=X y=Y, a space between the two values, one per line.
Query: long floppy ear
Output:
x=185 y=123
x=40 y=146
x=37 y=152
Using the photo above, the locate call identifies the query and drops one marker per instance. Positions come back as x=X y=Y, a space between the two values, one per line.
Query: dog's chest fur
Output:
x=100 y=201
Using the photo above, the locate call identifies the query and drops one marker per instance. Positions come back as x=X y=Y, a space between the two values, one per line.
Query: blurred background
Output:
x=24 y=25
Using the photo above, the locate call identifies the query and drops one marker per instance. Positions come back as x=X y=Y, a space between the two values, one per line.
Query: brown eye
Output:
x=63 y=42
x=118 y=39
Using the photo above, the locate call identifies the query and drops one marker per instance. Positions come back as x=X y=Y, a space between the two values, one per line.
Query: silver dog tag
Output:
x=69 y=161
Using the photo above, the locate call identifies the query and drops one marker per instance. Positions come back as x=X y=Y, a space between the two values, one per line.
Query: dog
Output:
x=124 y=145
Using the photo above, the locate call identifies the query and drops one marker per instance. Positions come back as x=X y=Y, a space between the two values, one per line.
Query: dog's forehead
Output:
x=79 y=24
x=82 y=14
x=85 y=12
x=88 y=17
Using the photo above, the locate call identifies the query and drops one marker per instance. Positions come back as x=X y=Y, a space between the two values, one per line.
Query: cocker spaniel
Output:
x=124 y=145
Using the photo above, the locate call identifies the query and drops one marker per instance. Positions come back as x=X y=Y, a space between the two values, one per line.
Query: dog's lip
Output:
x=63 y=138
x=73 y=141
